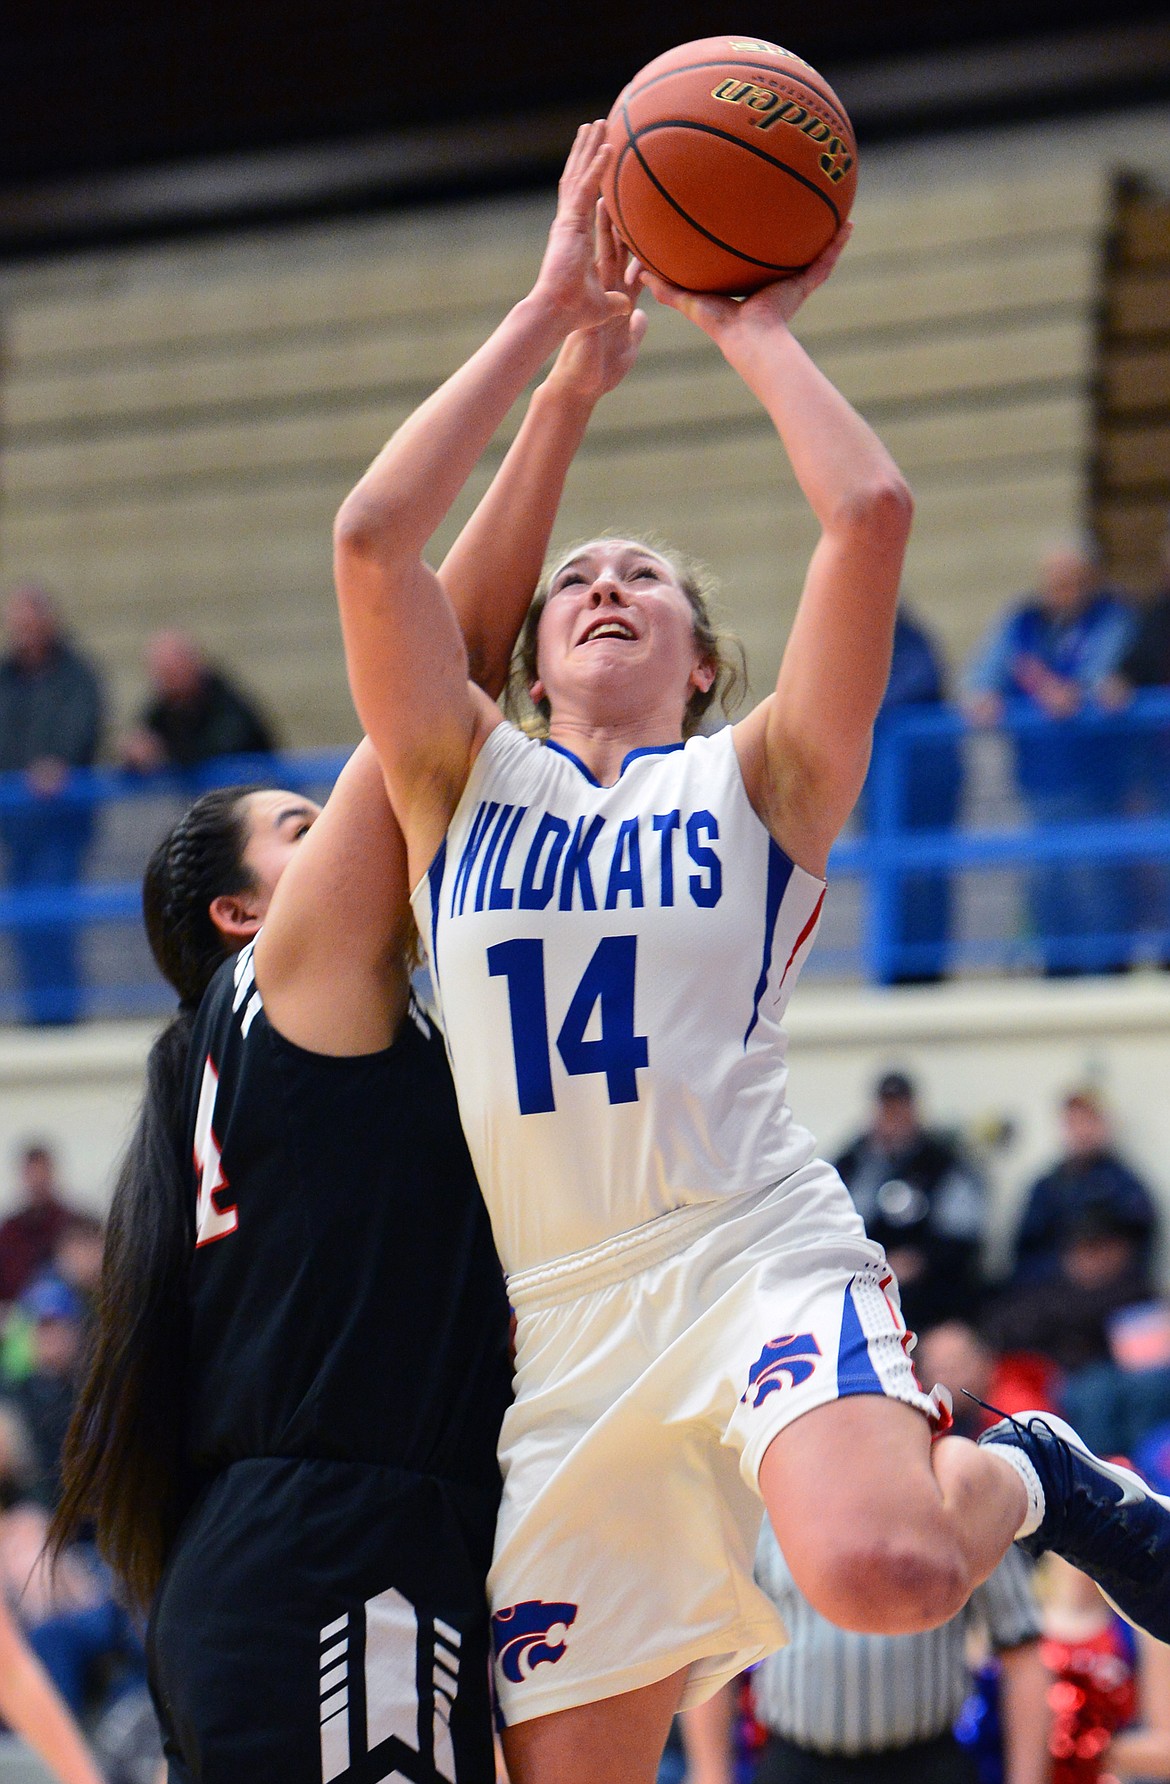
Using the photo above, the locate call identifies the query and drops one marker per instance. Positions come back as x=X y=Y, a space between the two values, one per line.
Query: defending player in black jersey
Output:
x=287 y=1433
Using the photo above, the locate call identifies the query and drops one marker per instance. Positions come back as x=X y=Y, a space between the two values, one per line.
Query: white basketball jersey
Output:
x=611 y=965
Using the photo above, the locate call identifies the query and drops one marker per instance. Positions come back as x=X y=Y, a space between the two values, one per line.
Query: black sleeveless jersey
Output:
x=346 y=1301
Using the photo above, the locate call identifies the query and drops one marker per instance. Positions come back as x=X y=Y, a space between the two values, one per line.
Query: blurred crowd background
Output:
x=238 y=244
x=1071 y=680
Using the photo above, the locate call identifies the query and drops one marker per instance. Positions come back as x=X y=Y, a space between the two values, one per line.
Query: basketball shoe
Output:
x=1098 y=1515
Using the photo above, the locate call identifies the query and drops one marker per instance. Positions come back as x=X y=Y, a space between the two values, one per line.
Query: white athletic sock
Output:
x=1017 y=1459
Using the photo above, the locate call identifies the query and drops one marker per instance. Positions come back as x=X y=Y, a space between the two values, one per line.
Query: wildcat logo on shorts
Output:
x=525 y=1635
x=793 y=1356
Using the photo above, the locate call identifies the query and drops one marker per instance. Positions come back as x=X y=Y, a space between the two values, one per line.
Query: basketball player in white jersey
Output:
x=615 y=918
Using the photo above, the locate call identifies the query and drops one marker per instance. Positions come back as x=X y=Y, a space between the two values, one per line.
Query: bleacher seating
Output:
x=181 y=422
x=1132 y=471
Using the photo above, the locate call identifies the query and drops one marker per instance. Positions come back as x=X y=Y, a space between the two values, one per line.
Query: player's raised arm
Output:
x=342 y=988
x=806 y=749
x=491 y=571
x=406 y=657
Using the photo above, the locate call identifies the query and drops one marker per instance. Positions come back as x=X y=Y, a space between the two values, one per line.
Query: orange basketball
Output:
x=733 y=164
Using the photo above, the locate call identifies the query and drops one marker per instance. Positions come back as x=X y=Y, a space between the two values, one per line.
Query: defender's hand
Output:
x=568 y=281
x=594 y=361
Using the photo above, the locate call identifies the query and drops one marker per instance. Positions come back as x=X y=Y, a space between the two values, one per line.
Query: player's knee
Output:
x=882 y=1583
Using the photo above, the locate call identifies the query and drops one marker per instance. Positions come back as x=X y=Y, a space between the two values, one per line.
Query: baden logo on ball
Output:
x=734 y=163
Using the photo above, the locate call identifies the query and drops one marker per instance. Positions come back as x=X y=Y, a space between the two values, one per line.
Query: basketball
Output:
x=733 y=163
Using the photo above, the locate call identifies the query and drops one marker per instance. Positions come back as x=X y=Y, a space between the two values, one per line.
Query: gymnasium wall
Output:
x=179 y=423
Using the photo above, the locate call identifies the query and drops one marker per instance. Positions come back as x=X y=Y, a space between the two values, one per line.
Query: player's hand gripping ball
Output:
x=733 y=164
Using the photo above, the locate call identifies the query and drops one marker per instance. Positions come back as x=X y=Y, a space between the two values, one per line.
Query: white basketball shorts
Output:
x=652 y=1372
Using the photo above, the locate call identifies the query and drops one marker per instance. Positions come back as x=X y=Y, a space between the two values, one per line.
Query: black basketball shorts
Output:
x=322 y=1621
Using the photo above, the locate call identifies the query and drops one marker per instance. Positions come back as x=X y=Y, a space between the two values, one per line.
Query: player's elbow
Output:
x=364 y=529
x=354 y=528
x=881 y=1583
x=879 y=510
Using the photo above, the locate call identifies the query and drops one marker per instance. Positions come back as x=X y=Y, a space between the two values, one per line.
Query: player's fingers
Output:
x=573 y=158
x=661 y=288
x=707 y=312
x=607 y=264
x=577 y=168
x=621 y=254
x=595 y=167
x=818 y=271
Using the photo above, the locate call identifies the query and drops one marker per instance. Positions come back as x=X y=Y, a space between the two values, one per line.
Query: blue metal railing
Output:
x=79 y=949
x=1077 y=811
x=1042 y=846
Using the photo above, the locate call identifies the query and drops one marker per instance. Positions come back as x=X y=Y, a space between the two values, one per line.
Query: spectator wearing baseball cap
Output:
x=1089 y=1179
x=45 y=1397
x=30 y=1235
x=922 y=1200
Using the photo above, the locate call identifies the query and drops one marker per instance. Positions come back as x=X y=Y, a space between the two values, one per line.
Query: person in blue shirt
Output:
x=1054 y=653
x=929 y=795
x=1089 y=1177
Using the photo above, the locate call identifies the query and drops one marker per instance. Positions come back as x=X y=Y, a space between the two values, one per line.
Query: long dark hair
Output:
x=125 y=1465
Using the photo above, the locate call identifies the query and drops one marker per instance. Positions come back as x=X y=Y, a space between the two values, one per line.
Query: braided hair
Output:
x=201 y=858
x=125 y=1465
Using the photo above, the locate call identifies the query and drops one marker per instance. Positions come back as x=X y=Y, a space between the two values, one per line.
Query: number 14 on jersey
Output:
x=607 y=985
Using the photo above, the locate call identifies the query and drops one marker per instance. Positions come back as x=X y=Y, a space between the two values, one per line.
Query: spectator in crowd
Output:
x=1066 y=1317
x=920 y=1199
x=195 y=712
x=77 y=1258
x=30 y=1236
x=985 y=1383
x=1052 y=655
x=1088 y=1177
x=927 y=795
x=1124 y=1398
x=882 y=1708
x=50 y=722
x=45 y=1397
x=37 y=1601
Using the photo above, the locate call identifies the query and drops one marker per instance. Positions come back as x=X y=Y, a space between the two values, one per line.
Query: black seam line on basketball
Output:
x=737 y=142
x=726 y=136
x=725 y=247
x=622 y=226
x=763 y=67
